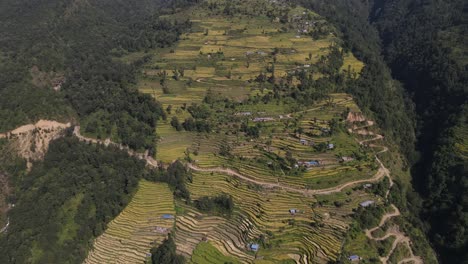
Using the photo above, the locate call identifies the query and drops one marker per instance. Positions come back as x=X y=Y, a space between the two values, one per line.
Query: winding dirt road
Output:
x=5 y=228
x=107 y=142
x=399 y=238
x=381 y=173
x=378 y=176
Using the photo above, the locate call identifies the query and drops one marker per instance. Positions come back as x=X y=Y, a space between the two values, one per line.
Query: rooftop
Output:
x=366 y=203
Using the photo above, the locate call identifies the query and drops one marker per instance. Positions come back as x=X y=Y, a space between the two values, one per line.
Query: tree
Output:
x=166 y=253
x=176 y=124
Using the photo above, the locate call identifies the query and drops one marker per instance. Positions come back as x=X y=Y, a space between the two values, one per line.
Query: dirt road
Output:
x=400 y=237
x=268 y=185
x=107 y=142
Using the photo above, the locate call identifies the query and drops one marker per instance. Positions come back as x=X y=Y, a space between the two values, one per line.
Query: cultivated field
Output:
x=140 y=226
x=216 y=75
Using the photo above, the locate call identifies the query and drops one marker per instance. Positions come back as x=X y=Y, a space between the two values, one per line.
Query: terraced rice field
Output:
x=259 y=213
x=207 y=253
x=224 y=55
x=139 y=227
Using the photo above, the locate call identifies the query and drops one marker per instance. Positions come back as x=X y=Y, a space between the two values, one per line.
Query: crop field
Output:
x=222 y=53
x=207 y=253
x=262 y=148
x=313 y=233
x=129 y=237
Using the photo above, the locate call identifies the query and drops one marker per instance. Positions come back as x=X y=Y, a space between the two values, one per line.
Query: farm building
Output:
x=167 y=216
x=366 y=203
x=346 y=159
x=312 y=163
x=331 y=146
x=254 y=247
x=354 y=258
x=367 y=185
x=293 y=211
x=303 y=142
x=263 y=119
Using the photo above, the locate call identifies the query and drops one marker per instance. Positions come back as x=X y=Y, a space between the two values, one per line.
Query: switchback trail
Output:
x=381 y=173
x=399 y=238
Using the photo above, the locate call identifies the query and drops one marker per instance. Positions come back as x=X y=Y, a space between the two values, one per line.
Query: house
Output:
x=303 y=141
x=293 y=211
x=330 y=146
x=263 y=119
x=308 y=164
x=313 y=163
x=346 y=159
x=367 y=185
x=354 y=258
x=254 y=247
x=367 y=203
x=167 y=216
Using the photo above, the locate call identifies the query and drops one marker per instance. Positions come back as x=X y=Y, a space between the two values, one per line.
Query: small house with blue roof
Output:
x=254 y=247
x=167 y=216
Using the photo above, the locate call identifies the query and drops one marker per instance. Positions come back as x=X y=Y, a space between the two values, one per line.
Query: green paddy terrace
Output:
x=213 y=70
x=225 y=53
x=312 y=234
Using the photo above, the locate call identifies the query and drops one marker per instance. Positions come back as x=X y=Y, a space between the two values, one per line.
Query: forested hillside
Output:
x=67 y=45
x=425 y=45
x=101 y=64
x=66 y=201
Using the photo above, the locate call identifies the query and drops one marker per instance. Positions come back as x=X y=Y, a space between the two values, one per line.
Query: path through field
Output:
x=382 y=172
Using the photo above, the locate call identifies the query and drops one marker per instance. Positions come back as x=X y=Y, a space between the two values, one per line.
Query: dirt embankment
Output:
x=355 y=117
x=31 y=141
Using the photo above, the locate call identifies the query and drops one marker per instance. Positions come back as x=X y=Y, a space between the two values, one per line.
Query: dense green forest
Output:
x=166 y=253
x=76 y=191
x=66 y=201
x=424 y=44
x=78 y=188
x=73 y=46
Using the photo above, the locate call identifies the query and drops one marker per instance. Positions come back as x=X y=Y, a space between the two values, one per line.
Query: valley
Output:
x=253 y=150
